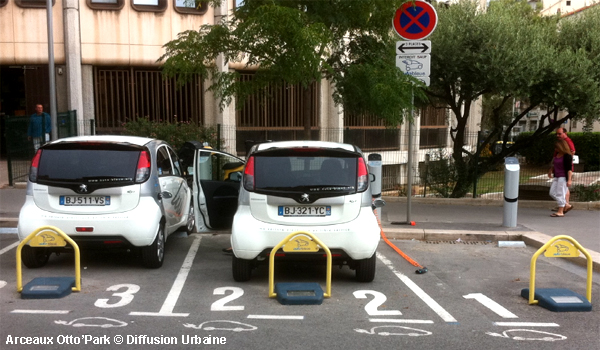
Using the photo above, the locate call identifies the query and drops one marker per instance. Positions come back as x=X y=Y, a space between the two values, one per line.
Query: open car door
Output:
x=215 y=178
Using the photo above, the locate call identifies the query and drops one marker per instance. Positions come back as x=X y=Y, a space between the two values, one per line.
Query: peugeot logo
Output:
x=304 y=198
x=83 y=189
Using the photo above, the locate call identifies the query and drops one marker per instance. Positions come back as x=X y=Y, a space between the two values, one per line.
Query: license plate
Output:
x=288 y=210
x=85 y=200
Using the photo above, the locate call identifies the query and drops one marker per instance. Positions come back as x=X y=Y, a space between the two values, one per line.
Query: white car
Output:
x=314 y=186
x=107 y=191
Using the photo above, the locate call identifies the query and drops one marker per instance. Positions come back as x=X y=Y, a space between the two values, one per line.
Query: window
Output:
x=163 y=162
x=149 y=5
x=33 y=3
x=568 y=3
x=106 y=4
x=195 y=7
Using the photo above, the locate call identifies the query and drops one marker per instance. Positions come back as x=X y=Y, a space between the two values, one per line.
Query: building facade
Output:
x=106 y=69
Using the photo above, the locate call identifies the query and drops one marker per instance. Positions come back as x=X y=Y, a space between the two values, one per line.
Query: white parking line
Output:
x=392 y=320
x=171 y=300
x=21 y=311
x=5 y=249
x=525 y=324
x=275 y=317
x=437 y=308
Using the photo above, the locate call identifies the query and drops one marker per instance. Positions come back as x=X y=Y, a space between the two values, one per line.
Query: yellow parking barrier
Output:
x=300 y=242
x=49 y=237
x=556 y=299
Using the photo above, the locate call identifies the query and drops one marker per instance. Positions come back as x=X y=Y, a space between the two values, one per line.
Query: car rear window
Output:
x=88 y=165
x=310 y=173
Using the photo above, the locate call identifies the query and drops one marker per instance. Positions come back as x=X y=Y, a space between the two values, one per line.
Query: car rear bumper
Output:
x=358 y=238
x=138 y=227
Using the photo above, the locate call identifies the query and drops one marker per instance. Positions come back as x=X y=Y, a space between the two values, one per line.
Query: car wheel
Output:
x=154 y=254
x=242 y=269
x=190 y=227
x=34 y=257
x=365 y=269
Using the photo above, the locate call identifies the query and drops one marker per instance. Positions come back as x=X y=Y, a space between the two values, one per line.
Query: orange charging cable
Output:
x=422 y=269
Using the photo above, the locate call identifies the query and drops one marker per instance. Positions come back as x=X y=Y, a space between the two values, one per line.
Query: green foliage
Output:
x=506 y=52
x=176 y=134
x=587 y=146
x=589 y=193
x=440 y=175
x=300 y=42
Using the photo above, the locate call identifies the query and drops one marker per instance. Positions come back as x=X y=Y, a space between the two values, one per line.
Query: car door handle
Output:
x=166 y=194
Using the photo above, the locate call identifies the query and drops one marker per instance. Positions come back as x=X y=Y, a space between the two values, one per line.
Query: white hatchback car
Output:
x=109 y=191
x=318 y=187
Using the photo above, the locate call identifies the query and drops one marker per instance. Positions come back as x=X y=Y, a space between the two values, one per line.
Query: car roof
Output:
x=310 y=144
x=135 y=140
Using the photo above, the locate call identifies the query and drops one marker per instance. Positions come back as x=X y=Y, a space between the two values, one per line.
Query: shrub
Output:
x=589 y=193
x=176 y=134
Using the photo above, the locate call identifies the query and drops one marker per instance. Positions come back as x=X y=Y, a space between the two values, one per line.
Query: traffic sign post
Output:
x=414 y=20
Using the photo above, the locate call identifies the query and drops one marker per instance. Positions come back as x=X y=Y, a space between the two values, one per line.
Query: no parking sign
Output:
x=415 y=20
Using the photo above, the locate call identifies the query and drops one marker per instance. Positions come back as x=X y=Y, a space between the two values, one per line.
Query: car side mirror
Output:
x=235 y=176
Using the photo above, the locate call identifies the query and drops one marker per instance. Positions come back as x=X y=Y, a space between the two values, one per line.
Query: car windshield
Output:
x=320 y=173
x=88 y=165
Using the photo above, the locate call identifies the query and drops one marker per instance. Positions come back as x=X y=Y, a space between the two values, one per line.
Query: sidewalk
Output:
x=448 y=220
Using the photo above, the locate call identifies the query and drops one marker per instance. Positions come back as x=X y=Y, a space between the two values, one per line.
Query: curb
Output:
x=493 y=202
x=531 y=238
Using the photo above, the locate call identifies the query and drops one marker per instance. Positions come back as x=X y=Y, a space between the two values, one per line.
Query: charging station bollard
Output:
x=511 y=191
x=375 y=165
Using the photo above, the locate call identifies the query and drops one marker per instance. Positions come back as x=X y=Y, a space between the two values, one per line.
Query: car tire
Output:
x=365 y=269
x=242 y=269
x=154 y=254
x=190 y=226
x=34 y=257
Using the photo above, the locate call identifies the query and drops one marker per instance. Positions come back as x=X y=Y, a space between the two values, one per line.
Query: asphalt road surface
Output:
x=468 y=299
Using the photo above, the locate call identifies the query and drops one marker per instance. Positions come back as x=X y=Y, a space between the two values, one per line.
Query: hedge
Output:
x=587 y=146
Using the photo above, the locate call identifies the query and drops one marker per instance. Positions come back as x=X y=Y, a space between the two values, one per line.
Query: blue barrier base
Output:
x=299 y=293
x=48 y=288
x=559 y=300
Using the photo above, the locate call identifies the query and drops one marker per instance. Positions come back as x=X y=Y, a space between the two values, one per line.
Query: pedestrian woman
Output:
x=562 y=165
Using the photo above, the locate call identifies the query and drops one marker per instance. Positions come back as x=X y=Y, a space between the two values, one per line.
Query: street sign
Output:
x=403 y=47
x=415 y=65
x=415 y=20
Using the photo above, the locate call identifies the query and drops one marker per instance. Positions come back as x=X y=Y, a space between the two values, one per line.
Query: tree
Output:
x=350 y=43
x=507 y=51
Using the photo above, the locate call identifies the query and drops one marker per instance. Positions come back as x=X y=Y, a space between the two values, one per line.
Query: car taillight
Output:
x=249 y=174
x=143 y=167
x=33 y=171
x=363 y=176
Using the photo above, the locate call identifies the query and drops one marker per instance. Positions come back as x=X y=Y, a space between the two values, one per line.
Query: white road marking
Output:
x=437 y=308
x=490 y=304
x=171 y=300
x=391 y=320
x=275 y=317
x=20 y=311
x=5 y=249
x=525 y=324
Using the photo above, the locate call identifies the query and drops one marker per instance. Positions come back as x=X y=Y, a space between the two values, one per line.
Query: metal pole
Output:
x=53 y=119
x=410 y=158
